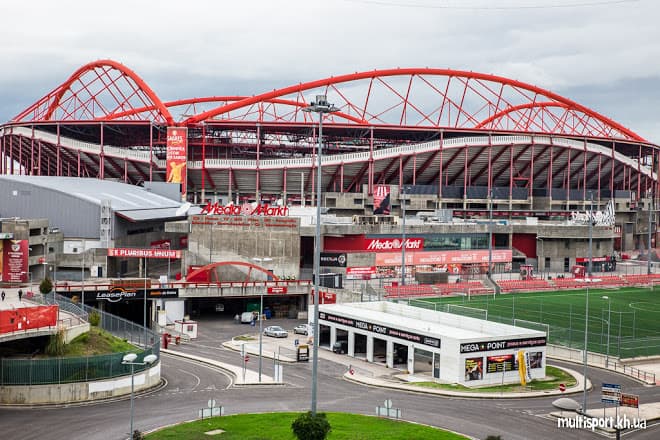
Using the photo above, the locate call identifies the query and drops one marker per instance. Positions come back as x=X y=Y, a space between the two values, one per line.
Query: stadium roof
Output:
x=128 y=201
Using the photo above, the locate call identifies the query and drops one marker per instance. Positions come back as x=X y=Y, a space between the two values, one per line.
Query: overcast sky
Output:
x=603 y=54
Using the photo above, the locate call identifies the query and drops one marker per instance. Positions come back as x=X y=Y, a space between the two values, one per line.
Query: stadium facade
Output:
x=452 y=148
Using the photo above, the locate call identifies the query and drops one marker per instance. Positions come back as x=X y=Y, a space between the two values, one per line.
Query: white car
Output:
x=302 y=329
x=276 y=331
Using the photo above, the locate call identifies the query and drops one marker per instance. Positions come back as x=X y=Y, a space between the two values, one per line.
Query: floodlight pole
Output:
x=609 y=311
x=321 y=106
x=584 y=354
x=648 y=257
x=591 y=228
x=403 y=237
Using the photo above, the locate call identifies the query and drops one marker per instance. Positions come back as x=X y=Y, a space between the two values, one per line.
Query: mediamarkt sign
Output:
x=247 y=209
x=387 y=244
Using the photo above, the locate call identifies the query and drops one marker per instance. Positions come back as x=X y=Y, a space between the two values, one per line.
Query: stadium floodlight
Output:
x=321 y=106
x=609 y=311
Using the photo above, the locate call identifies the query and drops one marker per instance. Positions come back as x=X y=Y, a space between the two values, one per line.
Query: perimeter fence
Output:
x=42 y=371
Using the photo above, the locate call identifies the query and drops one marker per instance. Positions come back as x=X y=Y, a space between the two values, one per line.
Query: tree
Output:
x=46 y=286
x=311 y=427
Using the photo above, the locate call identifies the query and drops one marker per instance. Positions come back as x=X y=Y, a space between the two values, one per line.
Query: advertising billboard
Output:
x=177 y=156
x=474 y=368
x=14 y=261
x=500 y=363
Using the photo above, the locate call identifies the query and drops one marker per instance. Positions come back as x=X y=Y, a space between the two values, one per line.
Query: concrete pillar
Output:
x=351 y=344
x=411 y=359
x=389 y=359
x=333 y=335
x=370 y=348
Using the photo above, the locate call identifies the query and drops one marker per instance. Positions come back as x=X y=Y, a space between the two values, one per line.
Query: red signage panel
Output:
x=444 y=257
x=361 y=243
x=361 y=270
x=277 y=290
x=382 y=200
x=14 y=260
x=177 y=156
x=143 y=253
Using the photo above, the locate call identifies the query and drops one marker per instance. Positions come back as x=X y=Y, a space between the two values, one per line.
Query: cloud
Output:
x=222 y=48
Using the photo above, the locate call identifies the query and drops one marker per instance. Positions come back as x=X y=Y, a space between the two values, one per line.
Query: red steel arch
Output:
x=466 y=100
x=429 y=98
x=97 y=91
x=210 y=269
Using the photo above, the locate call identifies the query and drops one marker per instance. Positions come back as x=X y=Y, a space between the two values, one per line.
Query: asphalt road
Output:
x=189 y=386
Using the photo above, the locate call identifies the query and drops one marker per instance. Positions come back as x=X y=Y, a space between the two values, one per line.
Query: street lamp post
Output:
x=129 y=359
x=591 y=228
x=490 y=236
x=541 y=259
x=403 y=237
x=321 y=106
x=584 y=354
x=261 y=314
x=609 y=310
x=144 y=302
x=648 y=247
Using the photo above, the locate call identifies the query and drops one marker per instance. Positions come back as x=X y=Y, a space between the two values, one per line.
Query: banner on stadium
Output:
x=444 y=257
x=382 y=200
x=14 y=260
x=144 y=253
x=177 y=156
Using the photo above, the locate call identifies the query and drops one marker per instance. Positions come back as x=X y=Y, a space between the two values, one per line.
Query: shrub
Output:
x=94 y=319
x=56 y=344
x=137 y=435
x=311 y=427
x=494 y=437
x=46 y=286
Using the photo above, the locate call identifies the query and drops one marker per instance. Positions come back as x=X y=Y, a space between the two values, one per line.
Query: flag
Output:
x=522 y=367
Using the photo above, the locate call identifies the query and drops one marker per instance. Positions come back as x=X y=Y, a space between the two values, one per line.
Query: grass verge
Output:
x=277 y=426
x=554 y=376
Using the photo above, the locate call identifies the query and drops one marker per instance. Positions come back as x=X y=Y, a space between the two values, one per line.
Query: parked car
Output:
x=275 y=331
x=302 y=329
x=248 y=317
x=340 y=347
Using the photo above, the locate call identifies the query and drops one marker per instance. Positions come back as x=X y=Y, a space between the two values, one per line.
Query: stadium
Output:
x=441 y=140
x=435 y=183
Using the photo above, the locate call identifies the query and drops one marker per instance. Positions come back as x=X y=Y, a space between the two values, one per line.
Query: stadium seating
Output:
x=507 y=286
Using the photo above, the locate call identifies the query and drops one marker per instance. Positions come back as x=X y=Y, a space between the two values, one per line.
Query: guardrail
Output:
x=31 y=371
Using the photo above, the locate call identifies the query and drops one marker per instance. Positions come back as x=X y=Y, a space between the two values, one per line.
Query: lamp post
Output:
x=490 y=235
x=261 y=313
x=144 y=303
x=541 y=258
x=403 y=237
x=584 y=354
x=648 y=247
x=129 y=359
x=321 y=106
x=609 y=310
x=591 y=228
x=82 y=275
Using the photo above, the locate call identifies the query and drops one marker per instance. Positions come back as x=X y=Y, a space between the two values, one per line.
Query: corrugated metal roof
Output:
x=130 y=201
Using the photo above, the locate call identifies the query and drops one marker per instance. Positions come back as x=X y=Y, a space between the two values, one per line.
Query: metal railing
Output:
x=30 y=371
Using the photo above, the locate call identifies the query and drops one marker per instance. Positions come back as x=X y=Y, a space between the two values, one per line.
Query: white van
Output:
x=248 y=317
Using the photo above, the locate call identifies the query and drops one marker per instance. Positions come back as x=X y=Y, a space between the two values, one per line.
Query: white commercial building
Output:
x=451 y=348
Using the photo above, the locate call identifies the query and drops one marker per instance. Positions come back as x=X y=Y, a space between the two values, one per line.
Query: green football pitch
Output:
x=627 y=318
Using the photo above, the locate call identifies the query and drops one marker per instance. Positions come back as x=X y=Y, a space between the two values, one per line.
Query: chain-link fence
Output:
x=615 y=333
x=14 y=371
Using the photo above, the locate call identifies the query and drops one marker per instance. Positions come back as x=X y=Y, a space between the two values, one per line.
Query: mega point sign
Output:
x=246 y=209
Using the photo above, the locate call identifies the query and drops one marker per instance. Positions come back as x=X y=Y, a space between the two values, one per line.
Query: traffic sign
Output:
x=562 y=387
x=611 y=393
